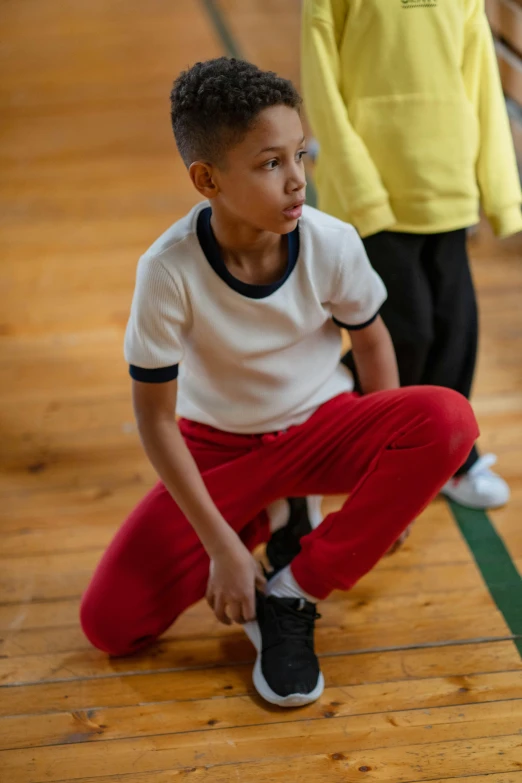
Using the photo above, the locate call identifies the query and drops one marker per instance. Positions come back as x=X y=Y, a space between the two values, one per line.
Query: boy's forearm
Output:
x=177 y=469
x=377 y=366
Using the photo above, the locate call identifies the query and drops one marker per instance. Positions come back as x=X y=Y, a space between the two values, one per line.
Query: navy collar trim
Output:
x=212 y=252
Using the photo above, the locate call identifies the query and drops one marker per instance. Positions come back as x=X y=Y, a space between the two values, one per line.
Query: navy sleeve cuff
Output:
x=159 y=375
x=357 y=326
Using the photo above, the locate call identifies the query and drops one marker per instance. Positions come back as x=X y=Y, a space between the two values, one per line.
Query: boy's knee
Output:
x=449 y=419
x=103 y=627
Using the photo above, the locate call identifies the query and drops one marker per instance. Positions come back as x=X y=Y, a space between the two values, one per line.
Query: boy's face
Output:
x=262 y=181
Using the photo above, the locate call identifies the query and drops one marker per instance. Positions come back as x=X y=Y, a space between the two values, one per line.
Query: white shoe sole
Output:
x=253 y=632
x=449 y=493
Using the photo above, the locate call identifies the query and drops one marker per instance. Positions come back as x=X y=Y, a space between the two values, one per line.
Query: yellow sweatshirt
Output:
x=405 y=99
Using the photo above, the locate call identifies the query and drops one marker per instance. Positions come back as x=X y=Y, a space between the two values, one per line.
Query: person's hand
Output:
x=231 y=590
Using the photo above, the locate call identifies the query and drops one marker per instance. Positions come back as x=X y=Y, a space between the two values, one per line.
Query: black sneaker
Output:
x=286 y=671
x=285 y=543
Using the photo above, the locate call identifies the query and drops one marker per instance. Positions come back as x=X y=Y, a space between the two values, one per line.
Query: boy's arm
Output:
x=375 y=357
x=497 y=171
x=360 y=191
x=234 y=572
x=357 y=294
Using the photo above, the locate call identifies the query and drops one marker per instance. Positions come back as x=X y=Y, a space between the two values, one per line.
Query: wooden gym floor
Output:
x=421 y=660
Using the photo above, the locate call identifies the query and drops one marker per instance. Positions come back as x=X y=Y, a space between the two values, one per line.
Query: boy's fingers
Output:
x=234 y=612
x=260 y=581
x=249 y=609
x=220 y=612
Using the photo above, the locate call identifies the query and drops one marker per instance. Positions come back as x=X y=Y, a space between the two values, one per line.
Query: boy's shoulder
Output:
x=321 y=229
x=177 y=242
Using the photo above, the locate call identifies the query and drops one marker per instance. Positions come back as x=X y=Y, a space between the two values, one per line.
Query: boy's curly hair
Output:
x=214 y=104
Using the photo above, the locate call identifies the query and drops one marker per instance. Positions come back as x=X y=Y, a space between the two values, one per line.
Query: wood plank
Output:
x=199 y=652
x=175 y=717
x=167 y=776
x=82 y=548
x=505 y=18
x=104 y=689
x=46 y=585
x=82 y=473
x=47 y=614
x=65 y=423
x=80 y=133
x=49 y=497
x=102 y=500
x=510 y=67
x=438 y=533
x=507 y=523
x=438 y=628
x=376 y=608
x=497 y=777
x=350 y=622
x=18 y=615
x=203 y=652
x=55 y=541
x=57 y=489
x=252 y=24
x=393 y=747
x=434 y=541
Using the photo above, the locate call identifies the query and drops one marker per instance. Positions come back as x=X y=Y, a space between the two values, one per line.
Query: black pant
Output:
x=431 y=310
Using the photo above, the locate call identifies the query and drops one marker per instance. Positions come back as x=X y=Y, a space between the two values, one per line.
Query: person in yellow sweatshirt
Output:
x=405 y=100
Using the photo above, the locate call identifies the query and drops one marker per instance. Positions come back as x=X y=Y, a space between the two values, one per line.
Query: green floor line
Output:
x=495 y=565
x=222 y=29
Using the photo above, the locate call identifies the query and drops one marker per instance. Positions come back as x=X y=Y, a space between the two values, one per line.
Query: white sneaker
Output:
x=478 y=488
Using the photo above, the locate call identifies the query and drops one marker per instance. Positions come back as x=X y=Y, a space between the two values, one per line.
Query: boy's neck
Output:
x=253 y=256
x=237 y=237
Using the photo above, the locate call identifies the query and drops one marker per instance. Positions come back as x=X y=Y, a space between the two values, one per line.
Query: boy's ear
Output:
x=202 y=176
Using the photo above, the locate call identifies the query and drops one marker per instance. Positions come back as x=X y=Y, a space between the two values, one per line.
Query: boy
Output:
x=406 y=103
x=243 y=291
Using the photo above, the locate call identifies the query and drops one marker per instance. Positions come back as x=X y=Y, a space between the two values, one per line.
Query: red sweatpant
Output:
x=392 y=451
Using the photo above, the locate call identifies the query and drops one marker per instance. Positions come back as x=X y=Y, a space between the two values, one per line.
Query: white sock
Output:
x=278 y=514
x=283 y=585
x=314 y=503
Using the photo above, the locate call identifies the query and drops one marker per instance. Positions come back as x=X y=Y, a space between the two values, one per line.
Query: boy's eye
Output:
x=275 y=162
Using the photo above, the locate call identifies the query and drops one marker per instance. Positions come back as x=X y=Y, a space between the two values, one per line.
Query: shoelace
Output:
x=294 y=622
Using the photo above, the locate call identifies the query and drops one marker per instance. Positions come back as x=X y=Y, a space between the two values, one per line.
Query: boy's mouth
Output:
x=295 y=211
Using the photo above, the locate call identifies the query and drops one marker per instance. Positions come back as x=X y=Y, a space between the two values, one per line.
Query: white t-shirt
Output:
x=252 y=358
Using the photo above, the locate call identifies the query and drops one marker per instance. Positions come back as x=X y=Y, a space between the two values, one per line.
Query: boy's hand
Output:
x=234 y=577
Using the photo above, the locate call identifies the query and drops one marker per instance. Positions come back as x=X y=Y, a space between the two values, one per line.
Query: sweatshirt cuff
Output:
x=374 y=219
x=507 y=222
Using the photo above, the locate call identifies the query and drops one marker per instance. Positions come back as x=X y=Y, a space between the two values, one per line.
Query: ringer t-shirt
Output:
x=250 y=358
